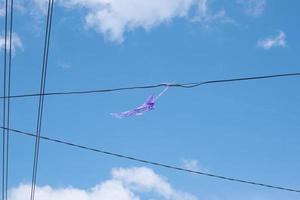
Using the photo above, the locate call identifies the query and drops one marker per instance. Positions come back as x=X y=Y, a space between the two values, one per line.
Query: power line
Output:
x=180 y=85
x=6 y=91
x=4 y=105
x=158 y=164
x=41 y=97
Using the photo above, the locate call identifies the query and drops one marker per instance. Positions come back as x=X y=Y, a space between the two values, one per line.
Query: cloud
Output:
x=253 y=7
x=275 y=41
x=39 y=7
x=125 y=184
x=16 y=43
x=18 y=6
x=192 y=165
x=114 y=18
x=205 y=15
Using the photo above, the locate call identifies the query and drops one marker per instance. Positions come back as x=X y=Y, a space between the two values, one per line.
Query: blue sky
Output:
x=248 y=130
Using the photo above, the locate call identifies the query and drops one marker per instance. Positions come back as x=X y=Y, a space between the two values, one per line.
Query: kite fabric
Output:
x=145 y=107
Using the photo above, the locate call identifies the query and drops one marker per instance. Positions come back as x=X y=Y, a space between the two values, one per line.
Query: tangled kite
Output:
x=145 y=107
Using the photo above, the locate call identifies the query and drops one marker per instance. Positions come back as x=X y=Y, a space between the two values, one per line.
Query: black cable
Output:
x=196 y=84
x=41 y=99
x=153 y=163
x=180 y=85
x=4 y=105
x=8 y=93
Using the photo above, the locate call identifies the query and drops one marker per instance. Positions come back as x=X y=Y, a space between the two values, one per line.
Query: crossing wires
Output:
x=41 y=97
x=37 y=136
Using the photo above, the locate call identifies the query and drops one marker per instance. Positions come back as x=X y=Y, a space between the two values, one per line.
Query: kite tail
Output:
x=116 y=115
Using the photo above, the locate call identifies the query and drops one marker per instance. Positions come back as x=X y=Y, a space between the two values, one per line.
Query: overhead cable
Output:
x=177 y=85
x=153 y=163
x=7 y=93
x=41 y=97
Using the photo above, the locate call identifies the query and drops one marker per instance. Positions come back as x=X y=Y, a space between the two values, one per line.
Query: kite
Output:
x=140 y=110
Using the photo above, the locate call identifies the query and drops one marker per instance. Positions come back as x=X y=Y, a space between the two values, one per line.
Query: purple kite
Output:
x=145 y=107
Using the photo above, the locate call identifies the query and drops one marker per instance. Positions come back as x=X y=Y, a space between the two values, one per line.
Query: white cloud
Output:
x=205 y=15
x=275 y=41
x=114 y=18
x=125 y=184
x=39 y=6
x=18 y=6
x=192 y=165
x=253 y=7
x=16 y=43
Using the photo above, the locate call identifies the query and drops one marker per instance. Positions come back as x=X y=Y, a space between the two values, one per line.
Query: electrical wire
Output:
x=180 y=85
x=158 y=164
x=41 y=99
x=4 y=105
x=8 y=93
x=6 y=122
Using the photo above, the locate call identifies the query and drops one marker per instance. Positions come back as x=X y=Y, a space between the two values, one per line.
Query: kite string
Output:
x=160 y=94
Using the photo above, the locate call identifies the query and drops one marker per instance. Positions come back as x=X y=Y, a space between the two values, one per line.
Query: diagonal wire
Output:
x=179 y=85
x=41 y=99
x=153 y=163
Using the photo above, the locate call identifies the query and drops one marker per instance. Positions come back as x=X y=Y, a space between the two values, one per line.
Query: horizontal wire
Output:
x=153 y=163
x=182 y=85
